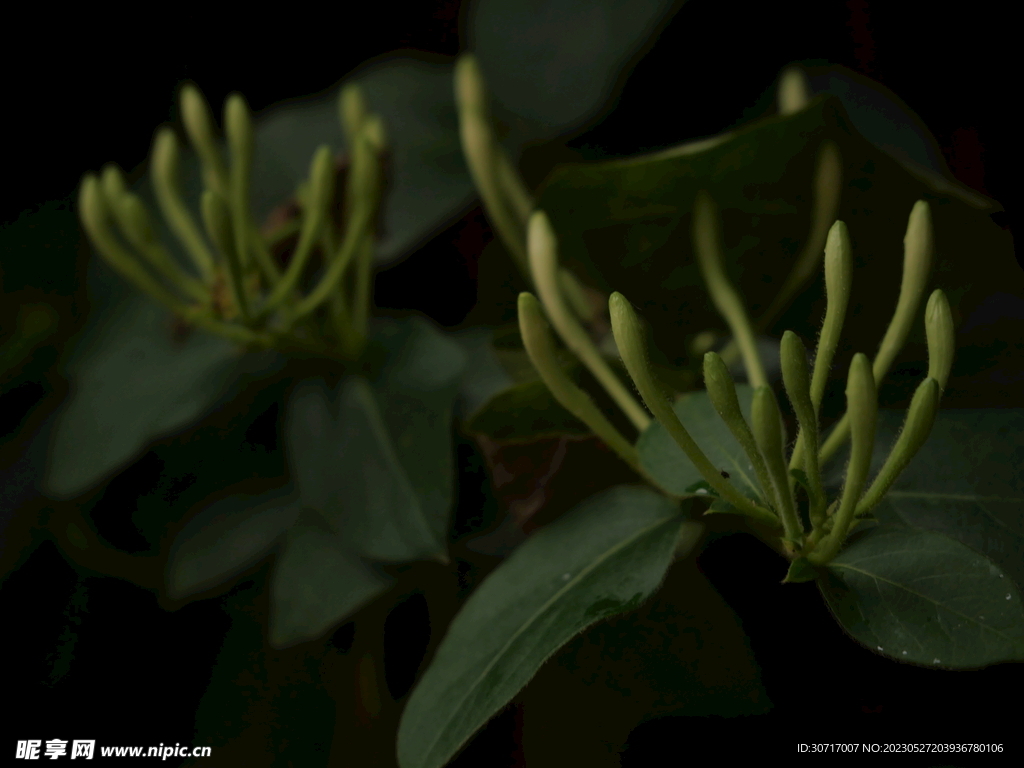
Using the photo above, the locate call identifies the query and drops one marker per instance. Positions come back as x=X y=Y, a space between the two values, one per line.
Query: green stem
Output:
x=708 y=247
x=217 y=218
x=239 y=130
x=543 y=252
x=629 y=338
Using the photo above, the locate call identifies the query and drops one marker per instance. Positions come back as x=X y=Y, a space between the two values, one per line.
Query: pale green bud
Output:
x=470 y=91
x=352 y=110
x=862 y=404
x=838 y=268
x=769 y=433
x=540 y=347
x=916 y=428
x=795 y=372
x=794 y=93
x=938 y=325
x=198 y=120
x=238 y=129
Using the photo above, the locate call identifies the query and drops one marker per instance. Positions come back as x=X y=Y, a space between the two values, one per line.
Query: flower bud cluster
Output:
x=233 y=281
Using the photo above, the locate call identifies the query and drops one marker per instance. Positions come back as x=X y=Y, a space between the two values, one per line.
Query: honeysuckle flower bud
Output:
x=166 y=186
x=938 y=325
x=630 y=341
x=708 y=248
x=862 y=410
x=483 y=155
x=195 y=114
x=352 y=110
x=241 y=140
x=321 y=180
x=796 y=378
x=721 y=391
x=794 y=93
x=838 y=283
x=918 y=246
x=95 y=214
x=541 y=349
x=916 y=428
x=543 y=253
x=766 y=421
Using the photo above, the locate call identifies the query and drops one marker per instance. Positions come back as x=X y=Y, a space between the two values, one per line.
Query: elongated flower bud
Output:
x=938 y=325
x=239 y=131
x=838 y=284
x=166 y=186
x=796 y=377
x=198 y=120
x=112 y=179
x=862 y=413
x=540 y=347
x=630 y=341
x=916 y=428
x=352 y=110
x=470 y=93
x=721 y=391
x=543 y=253
x=793 y=94
x=768 y=429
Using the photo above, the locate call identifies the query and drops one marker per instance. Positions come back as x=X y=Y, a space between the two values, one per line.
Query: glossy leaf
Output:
x=318 y=581
x=346 y=468
x=665 y=461
x=225 y=539
x=603 y=558
x=922 y=597
x=131 y=384
x=966 y=482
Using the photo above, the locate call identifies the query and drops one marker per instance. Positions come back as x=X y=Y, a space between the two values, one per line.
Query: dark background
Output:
x=84 y=88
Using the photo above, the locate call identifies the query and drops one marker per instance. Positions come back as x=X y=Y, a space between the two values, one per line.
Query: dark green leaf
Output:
x=346 y=468
x=603 y=558
x=416 y=391
x=132 y=384
x=922 y=597
x=484 y=376
x=673 y=471
x=800 y=570
x=317 y=582
x=225 y=539
x=967 y=482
